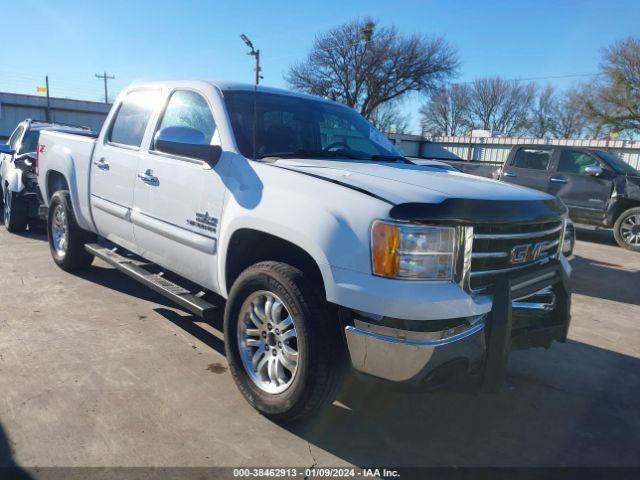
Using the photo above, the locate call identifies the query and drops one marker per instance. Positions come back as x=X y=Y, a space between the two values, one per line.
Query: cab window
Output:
x=189 y=109
x=131 y=120
x=533 y=159
x=575 y=161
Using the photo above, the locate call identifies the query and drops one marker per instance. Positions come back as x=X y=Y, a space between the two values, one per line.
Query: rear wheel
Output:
x=15 y=212
x=281 y=344
x=66 y=238
x=627 y=229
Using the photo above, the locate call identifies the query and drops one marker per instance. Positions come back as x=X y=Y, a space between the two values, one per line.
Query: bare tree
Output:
x=387 y=117
x=571 y=120
x=447 y=111
x=502 y=105
x=544 y=116
x=616 y=104
x=365 y=66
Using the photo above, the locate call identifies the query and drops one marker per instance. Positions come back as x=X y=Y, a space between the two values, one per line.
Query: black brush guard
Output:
x=503 y=336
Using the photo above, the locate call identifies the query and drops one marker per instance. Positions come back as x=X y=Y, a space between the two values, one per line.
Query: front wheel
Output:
x=282 y=346
x=15 y=212
x=627 y=229
x=66 y=238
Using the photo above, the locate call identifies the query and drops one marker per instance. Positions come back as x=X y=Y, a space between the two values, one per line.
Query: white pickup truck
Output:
x=320 y=241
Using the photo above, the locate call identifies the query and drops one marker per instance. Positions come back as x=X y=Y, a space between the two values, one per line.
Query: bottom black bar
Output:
x=201 y=473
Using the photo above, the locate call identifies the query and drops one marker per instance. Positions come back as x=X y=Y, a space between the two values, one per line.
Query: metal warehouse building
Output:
x=16 y=107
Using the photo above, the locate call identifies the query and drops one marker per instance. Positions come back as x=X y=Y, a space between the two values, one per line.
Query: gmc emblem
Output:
x=527 y=252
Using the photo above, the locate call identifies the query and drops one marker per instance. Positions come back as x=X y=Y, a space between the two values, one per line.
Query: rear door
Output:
x=178 y=200
x=530 y=167
x=115 y=164
x=585 y=195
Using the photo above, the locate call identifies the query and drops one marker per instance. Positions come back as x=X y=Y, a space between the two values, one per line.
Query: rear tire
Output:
x=626 y=230
x=66 y=238
x=15 y=212
x=291 y=395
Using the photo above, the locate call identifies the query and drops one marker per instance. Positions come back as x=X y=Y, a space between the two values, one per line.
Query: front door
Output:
x=584 y=194
x=115 y=165
x=178 y=200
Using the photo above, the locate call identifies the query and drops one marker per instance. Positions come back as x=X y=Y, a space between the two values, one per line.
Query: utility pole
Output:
x=255 y=53
x=105 y=77
x=46 y=79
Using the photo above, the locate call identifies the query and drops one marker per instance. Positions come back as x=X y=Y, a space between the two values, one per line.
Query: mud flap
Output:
x=501 y=337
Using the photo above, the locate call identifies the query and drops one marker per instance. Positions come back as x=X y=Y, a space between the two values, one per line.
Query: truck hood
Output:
x=401 y=183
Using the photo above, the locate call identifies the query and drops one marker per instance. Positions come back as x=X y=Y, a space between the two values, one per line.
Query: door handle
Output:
x=102 y=164
x=558 y=180
x=509 y=174
x=147 y=177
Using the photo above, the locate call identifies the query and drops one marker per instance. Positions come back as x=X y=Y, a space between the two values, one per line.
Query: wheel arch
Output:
x=248 y=246
x=55 y=182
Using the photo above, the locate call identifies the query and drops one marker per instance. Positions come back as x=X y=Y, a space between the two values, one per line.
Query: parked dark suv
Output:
x=599 y=188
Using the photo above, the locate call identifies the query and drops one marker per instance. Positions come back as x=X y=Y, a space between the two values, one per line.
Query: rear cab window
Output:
x=532 y=158
x=131 y=120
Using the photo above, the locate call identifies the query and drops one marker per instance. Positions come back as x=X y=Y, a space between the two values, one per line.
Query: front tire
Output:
x=282 y=346
x=66 y=238
x=15 y=212
x=627 y=229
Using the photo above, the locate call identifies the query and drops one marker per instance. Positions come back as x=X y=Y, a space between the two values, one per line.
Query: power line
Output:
x=551 y=77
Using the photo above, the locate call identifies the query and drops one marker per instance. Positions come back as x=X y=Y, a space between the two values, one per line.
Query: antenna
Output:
x=256 y=54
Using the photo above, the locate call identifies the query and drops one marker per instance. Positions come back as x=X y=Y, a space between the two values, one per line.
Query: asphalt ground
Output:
x=97 y=370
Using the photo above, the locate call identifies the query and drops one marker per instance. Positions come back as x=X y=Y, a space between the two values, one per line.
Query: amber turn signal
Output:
x=386 y=240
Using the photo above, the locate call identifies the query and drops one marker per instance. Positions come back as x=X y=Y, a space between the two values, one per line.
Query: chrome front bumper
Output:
x=411 y=357
x=531 y=311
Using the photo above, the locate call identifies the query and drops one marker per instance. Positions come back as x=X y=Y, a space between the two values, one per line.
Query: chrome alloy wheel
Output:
x=7 y=206
x=630 y=230
x=268 y=342
x=59 y=231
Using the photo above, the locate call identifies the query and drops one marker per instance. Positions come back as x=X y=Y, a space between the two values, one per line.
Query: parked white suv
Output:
x=322 y=241
x=18 y=180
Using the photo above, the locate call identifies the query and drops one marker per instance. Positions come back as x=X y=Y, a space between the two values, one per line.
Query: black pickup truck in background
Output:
x=599 y=188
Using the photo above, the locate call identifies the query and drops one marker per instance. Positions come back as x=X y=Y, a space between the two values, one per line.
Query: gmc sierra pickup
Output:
x=320 y=241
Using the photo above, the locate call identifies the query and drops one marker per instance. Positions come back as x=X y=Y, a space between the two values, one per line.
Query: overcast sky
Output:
x=168 y=39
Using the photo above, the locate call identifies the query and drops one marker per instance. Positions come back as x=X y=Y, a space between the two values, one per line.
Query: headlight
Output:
x=413 y=251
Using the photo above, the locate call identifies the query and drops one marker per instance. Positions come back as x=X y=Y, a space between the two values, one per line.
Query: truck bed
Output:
x=68 y=154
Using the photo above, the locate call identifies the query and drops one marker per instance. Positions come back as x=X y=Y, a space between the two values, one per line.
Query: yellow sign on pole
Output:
x=41 y=89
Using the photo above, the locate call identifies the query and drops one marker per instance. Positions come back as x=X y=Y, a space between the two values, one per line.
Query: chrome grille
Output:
x=493 y=250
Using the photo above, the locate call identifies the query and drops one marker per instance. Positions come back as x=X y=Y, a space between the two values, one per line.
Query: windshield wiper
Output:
x=302 y=153
x=390 y=158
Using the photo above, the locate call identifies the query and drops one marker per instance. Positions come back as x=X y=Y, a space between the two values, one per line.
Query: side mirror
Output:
x=6 y=148
x=187 y=142
x=594 y=170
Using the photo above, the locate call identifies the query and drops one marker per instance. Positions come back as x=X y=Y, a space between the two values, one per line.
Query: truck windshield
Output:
x=619 y=165
x=289 y=126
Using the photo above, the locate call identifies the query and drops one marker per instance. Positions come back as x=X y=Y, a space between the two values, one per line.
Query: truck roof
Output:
x=227 y=86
